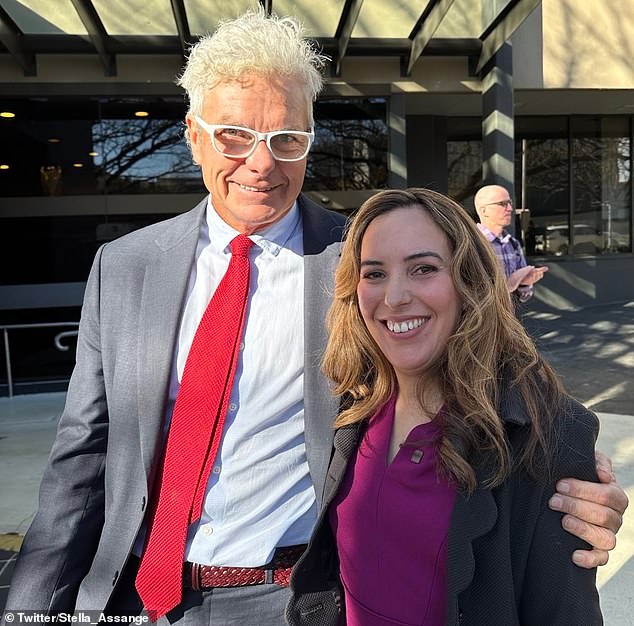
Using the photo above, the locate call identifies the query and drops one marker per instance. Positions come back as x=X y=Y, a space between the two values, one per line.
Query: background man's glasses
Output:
x=238 y=142
x=502 y=203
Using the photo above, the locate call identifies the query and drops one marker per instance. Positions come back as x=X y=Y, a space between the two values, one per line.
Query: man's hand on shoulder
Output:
x=593 y=512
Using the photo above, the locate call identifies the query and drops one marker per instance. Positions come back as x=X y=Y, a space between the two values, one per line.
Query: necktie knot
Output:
x=240 y=245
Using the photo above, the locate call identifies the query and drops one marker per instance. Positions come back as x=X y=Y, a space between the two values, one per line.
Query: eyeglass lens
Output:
x=239 y=143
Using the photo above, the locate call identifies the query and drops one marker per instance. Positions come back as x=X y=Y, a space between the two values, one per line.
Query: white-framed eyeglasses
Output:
x=238 y=142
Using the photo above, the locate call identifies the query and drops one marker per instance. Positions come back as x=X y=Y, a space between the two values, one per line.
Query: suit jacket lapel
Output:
x=162 y=297
x=322 y=236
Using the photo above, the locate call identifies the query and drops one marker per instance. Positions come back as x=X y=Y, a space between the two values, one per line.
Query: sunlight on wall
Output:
x=588 y=44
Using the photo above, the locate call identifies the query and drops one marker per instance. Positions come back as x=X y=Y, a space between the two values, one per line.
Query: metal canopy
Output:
x=343 y=29
x=13 y=39
x=182 y=24
x=347 y=21
x=425 y=27
x=97 y=33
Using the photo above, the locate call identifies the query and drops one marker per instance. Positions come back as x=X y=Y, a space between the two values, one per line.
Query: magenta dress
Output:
x=391 y=524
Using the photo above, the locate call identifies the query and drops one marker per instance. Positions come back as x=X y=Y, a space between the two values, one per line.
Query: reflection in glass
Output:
x=143 y=156
x=464 y=158
x=594 y=153
x=464 y=168
x=542 y=173
x=350 y=148
x=601 y=153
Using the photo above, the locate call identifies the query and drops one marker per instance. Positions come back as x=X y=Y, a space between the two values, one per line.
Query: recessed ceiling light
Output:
x=141 y=113
x=93 y=154
x=53 y=140
x=7 y=114
x=78 y=165
x=4 y=166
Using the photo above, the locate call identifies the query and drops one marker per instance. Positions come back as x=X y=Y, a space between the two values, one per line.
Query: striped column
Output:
x=498 y=129
x=397 y=145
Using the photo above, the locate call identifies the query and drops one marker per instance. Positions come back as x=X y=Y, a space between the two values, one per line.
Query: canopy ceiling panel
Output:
x=44 y=17
x=319 y=18
x=136 y=17
x=463 y=19
x=403 y=29
x=378 y=18
x=204 y=15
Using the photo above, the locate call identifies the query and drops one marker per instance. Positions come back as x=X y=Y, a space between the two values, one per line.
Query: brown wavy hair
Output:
x=488 y=353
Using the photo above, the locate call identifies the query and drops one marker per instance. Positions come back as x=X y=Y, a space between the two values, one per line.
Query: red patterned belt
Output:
x=278 y=571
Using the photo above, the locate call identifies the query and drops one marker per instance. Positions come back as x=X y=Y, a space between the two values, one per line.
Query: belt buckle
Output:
x=195 y=576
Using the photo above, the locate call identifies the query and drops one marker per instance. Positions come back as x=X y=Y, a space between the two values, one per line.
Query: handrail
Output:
x=57 y=340
x=7 y=351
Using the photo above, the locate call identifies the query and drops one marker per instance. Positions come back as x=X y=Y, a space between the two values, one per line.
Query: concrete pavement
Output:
x=592 y=349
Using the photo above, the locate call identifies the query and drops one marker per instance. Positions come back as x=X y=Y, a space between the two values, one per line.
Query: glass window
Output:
x=140 y=147
x=350 y=149
x=575 y=171
x=464 y=158
x=601 y=158
x=45 y=148
x=542 y=183
x=95 y=146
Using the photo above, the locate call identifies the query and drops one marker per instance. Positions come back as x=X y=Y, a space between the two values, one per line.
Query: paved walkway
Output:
x=592 y=349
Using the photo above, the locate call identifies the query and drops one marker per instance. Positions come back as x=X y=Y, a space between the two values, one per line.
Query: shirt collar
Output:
x=272 y=239
x=491 y=236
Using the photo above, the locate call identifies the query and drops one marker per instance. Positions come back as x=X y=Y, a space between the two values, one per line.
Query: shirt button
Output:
x=216 y=469
x=242 y=345
x=208 y=530
x=233 y=406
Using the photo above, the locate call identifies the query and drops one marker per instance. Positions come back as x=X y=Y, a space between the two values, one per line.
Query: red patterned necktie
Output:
x=194 y=435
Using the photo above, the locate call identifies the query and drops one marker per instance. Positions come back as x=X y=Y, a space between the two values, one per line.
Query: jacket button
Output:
x=115 y=578
x=460 y=616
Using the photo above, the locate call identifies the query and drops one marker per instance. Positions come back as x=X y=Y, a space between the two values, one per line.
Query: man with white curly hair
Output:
x=117 y=531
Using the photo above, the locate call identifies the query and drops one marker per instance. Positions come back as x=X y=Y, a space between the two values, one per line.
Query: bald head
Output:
x=494 y=208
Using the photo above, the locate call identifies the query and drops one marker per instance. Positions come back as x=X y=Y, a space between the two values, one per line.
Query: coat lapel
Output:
x=476 y=514
x=322 y=237
x=473 y=516
x=162 y=297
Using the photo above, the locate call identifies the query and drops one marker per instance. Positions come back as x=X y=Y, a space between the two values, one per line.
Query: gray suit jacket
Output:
x=94 y=493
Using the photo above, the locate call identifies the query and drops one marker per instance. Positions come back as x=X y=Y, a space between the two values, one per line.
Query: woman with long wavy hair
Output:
x=452 y=435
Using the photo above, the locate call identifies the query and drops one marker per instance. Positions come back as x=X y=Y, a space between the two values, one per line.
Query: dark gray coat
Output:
x=508 y=557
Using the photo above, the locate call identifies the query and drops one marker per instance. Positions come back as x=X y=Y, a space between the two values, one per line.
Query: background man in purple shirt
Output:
x=495 y=210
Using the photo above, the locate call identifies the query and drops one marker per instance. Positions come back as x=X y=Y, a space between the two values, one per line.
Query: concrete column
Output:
x=498 y=130
x=397 y=144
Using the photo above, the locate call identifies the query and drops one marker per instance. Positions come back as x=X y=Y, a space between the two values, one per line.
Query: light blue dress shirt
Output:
x=259 y=495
